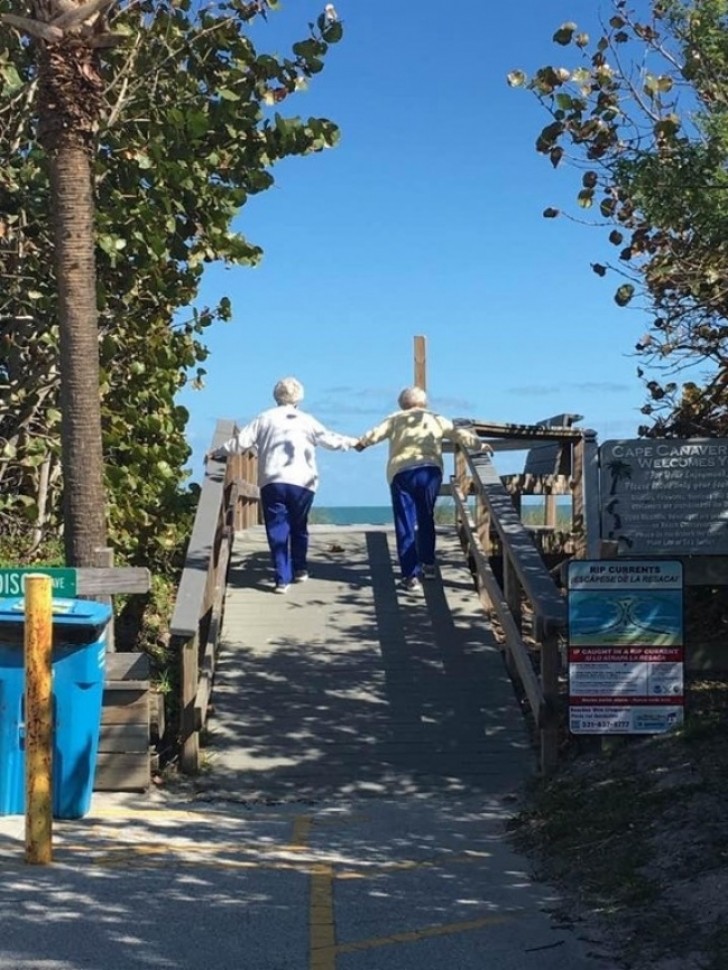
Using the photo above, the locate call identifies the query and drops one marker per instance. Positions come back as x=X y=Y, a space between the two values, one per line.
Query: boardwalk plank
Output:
x=347 y=686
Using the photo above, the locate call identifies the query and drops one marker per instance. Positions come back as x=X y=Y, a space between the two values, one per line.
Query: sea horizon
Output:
x=351 y=515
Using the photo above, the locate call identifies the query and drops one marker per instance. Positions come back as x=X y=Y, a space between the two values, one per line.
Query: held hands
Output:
x=359 y=446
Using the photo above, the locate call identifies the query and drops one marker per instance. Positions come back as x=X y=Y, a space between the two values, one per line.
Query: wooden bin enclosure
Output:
x=125 y=760
x=128 y=715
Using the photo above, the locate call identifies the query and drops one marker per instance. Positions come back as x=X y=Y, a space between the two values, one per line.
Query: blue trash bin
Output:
x=78 y=668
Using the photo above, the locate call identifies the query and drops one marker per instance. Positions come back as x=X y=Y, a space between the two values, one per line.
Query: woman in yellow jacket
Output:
x=414 y=473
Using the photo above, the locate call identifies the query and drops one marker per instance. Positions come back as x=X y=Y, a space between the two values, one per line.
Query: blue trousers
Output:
x=285 y=513
x=414 y=493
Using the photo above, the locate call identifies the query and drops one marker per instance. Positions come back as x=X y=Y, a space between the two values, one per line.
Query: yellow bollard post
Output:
x=38 y=719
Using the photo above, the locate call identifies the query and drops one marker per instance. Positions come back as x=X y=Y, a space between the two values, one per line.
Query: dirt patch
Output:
x=636 y=838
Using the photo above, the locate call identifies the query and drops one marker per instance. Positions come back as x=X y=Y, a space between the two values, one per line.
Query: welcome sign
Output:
x=666 y=496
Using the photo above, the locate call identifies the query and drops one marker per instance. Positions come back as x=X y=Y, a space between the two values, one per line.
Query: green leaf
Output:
x=12 y=81
x=564 y=34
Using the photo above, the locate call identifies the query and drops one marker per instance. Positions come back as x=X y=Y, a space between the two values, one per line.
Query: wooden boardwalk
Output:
x=348 y=686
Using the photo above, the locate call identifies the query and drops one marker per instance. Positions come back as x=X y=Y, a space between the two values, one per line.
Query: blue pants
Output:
x=414 y=493
x=285 y=513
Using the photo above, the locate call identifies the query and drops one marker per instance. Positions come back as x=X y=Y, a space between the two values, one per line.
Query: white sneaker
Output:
x=281 y=588
x=301 y=576
x=411 y=585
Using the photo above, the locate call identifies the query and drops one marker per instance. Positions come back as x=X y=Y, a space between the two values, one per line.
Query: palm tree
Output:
x=619 y=471
x=68 y=35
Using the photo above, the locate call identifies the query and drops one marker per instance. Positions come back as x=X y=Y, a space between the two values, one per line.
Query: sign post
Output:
x=38 y=643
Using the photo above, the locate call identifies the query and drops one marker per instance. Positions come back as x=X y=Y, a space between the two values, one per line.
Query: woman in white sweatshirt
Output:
x=285 y=439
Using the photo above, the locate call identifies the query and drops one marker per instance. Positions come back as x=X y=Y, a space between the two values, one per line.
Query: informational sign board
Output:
x=626 y=646
x=12 y=580
x=665 y=496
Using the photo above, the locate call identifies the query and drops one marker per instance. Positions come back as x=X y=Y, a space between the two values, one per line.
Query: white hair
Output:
x=288 y=391
x=412 y=397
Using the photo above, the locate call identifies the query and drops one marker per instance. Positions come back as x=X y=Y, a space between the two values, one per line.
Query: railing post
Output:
x=550 y=666
x=512 y=590
x=585 y=496
x=190 y=739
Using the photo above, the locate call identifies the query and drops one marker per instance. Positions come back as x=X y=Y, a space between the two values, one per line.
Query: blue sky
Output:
x=426 y=219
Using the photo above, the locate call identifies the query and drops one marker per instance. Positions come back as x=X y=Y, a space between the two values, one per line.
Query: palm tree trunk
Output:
x=81 y=449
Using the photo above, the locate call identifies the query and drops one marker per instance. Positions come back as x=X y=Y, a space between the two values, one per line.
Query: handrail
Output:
x=228 y=501
x=525 y=576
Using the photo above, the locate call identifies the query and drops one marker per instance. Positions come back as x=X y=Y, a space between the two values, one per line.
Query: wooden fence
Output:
x=228 y=503
x=527 y=583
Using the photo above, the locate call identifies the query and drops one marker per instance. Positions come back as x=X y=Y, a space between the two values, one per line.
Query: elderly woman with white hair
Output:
x=285 y=439
x=414 y=473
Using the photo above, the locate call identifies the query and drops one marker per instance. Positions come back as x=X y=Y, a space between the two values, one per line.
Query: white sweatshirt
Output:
x=285 y=440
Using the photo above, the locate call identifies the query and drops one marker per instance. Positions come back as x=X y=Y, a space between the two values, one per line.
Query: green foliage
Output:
x=643 y=110
x=188 y=134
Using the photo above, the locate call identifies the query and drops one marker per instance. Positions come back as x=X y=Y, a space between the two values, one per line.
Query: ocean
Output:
x=351 y=515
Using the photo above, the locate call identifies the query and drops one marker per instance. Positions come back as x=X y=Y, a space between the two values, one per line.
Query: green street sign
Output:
x=12 y=579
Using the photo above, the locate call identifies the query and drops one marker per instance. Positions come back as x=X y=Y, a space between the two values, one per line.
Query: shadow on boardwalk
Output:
x=348 y=686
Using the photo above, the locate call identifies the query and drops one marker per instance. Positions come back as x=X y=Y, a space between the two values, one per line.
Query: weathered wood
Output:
x=123 y=771
x=124 y=737
x=127 y=666
x=190 y=663
x=190 y=601
x=104 y=559
x=125 y=706
x=420 y=351
x=91 y=581
x=550 y=459
x=590 y=489
x=514 y=644
x=537 y=484
x=124 y=760
x=541 y=591
x=550 y=664
x=512 y=591
x=524 y=436
x=247 y=489
x=157 y=716
x=209 y=657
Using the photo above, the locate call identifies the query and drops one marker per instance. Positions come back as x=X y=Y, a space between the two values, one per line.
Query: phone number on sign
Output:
x=582 y=724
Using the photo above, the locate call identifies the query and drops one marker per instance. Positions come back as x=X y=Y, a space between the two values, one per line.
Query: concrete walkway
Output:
x=364 y=757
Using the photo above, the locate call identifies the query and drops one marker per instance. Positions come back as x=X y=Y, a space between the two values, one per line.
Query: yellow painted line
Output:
x=427 y=932
x=322 y=932
x=301 y=836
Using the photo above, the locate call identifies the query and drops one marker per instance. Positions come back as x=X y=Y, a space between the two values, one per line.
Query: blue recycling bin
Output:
x=78 y=668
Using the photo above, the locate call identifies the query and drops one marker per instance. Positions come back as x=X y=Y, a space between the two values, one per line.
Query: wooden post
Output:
x=512 y=590
x=421 y=363
x=38 y=719
x=190 y=677
x=104 y=559
x=585 y=496
x=550 y=665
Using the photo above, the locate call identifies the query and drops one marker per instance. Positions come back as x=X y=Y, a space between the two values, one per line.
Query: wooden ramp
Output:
x=348 y=686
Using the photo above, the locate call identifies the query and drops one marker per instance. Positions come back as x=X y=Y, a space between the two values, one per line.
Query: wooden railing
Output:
x=228 y=503
x=527 y=581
